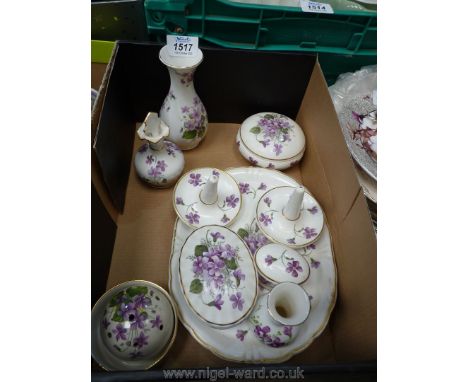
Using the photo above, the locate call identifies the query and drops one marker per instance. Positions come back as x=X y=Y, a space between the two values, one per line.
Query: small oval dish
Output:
x=277 y=263
x=271 y=140
x=205 y=196
x=133 y=326
x=218 y=276
x=290 y=216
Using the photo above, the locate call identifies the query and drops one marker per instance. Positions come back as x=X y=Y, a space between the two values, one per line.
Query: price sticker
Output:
x=314 y=7
x=185 y=46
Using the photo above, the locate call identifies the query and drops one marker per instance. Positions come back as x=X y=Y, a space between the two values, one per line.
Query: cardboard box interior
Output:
x=234 y=85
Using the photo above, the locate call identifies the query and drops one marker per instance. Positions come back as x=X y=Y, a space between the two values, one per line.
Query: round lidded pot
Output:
x=277 y=263
x=271 y=140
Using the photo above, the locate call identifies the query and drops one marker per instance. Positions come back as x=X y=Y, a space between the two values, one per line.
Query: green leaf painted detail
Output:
x=255 y=130
x=189 y=134
x=136 y=290
x=211 y=303
x=231 y=264
x=269 y=116
x=199 y=249
x=115 y=299
x=117 y=317
x=242 y=233
x=196 y=286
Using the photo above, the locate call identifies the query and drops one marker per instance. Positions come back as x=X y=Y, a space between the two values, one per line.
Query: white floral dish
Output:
x=133 y=326
x=277 y=263
x=278 y=314
x=205 y=196
x=239 y=343
x=218 y=276
x=158 y=162
x=297 y=230
x=271 y=140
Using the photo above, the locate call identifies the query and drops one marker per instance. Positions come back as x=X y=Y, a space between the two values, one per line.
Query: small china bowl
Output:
x=133 y=326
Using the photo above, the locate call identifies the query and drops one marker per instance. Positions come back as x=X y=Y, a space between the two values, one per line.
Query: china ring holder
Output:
x=290 y=216
x=206 y=196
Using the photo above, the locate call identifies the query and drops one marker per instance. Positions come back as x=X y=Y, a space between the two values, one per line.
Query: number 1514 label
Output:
x=184 y=46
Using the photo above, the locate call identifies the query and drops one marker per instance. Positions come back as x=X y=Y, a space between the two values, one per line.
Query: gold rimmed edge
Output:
x=276 y=281
x=172 y=303
x=271 y=159
x=254 y=302
x=296 y=246
x=197 y=169
x=284 y=358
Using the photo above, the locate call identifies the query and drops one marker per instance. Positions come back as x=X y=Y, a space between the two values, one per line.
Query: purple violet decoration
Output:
x=241 y=334
x=291 y=240
x=139 y=320
x=225 y=219
x=162 y=165
x=294 y=267
x=244 y=187
x=154 y=172
x=218 y=301
x=271 y=166
x=262 y=186
x=313 y=210
x=119 y=332
x=199 y=264
x=185 y=109
x=262 y=332
x=255 y=241
x=143 y=148
x=193 y=218
x=269 y=260
x=287 y=330
x=309 y=232
x=314 y=264
x=253 y=161
x=237 y=301
x=277 y=149
x=216 y=173
x=141 y=340
x=157 y=323
x=136 y=354
x=141 y=301
x=149 y=159
x=179 y=201
x=232 y=201
x=238 y=274
x=267 y=201
x=265 y=219
x=195 y=179
x=216 y=235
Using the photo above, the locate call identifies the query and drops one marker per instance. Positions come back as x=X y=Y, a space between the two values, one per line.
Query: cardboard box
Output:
x=232 y=86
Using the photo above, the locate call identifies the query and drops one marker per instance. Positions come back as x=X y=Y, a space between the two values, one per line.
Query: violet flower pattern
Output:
x=241 y=334
x=237 y=301
x=130 y=316
x=294 y=268
x=216 y=271
x=270 y=260
x=195 y=179
x=193 y=218
x=273 y=130
x=274 y=337
x=253 y=237
x=265 y=219
x=267 y=201
x=194 y=119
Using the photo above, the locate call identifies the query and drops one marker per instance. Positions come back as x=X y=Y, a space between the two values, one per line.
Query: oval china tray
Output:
x=238 y=342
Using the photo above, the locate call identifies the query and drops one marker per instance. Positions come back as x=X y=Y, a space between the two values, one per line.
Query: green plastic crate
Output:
x=345 y=40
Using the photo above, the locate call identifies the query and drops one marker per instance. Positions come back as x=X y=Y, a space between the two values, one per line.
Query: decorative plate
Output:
x=133 y=326
x=239 y=343
x=351 y=116
x=277 y=263
x=274 y=225
x=193 y=211
x=218 y=276
x=272 y=136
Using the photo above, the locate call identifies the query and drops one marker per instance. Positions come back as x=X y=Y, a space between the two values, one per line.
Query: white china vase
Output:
x=278 y=314
x=158 y=162
x=182 y=109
